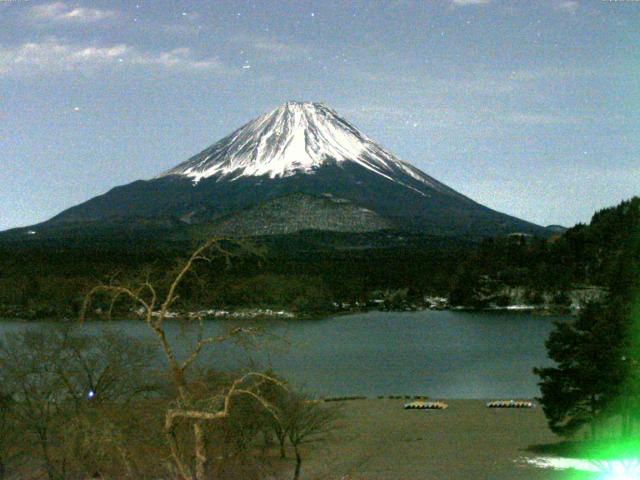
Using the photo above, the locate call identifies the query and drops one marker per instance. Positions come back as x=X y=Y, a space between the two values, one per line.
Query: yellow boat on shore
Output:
x=510 y=404
x=421 y=405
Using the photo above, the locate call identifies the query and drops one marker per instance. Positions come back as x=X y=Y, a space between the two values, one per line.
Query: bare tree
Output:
x=188 y=407
x=7 y=433
x=57 y=380
x=308 y=422
x=301 y=421
x=29 y=371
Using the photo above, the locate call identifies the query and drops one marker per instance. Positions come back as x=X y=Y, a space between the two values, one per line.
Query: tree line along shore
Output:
x=315 y=274
x=75 y=405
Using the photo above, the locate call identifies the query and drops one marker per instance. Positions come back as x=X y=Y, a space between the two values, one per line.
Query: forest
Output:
x=592 y=392
x=76 y=405
x=310 y=271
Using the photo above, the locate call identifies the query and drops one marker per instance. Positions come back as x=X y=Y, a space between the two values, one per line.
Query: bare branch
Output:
x=267 y=405
x=215 y=407
x=183 y=271
x=170 y=433
x=194 y=355
x=113 y=291
x=114 y=299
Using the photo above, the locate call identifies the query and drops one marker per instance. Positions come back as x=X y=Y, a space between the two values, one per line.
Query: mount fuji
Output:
x=298 y=167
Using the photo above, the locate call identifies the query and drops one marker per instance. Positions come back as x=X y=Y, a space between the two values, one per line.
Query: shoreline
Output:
x=379 y=440
x=265 y=313
x=404 y=398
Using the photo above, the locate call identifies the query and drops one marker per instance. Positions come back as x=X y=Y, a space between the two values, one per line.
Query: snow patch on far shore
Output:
x=560 y=463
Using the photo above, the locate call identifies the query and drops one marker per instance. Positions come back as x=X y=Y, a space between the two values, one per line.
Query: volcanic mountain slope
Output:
x=296 y=212
x=297 y=151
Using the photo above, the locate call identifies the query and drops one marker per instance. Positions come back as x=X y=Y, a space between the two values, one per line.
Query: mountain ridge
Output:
x=298 y=148
x=296 y=137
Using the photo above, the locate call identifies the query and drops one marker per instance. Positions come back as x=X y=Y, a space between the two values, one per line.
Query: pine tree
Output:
x=589 y=373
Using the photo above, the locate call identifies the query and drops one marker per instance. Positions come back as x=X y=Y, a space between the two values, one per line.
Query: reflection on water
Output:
x=437 y=353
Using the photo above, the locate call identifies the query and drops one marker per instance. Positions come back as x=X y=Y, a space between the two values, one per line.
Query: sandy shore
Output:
x=381 y=440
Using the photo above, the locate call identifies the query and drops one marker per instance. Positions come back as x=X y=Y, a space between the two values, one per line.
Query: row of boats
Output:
x=423 y=405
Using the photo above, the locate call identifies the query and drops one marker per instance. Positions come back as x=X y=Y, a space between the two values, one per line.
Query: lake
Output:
x=445 y=354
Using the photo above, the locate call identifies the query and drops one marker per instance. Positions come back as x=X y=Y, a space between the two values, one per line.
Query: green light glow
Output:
x=615 y=451
x=619 y=470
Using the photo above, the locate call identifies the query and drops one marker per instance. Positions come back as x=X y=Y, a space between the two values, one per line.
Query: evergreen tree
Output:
x=597 y=372
x=589 y=372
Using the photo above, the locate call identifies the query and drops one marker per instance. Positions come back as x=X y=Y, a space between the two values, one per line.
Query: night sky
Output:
x=529 y=107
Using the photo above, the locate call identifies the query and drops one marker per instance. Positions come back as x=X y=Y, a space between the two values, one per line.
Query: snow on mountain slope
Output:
x=275 y=174
x=298 y=137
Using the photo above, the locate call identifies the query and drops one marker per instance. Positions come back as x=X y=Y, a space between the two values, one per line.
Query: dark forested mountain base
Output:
x=303 y=271
x=310 y=270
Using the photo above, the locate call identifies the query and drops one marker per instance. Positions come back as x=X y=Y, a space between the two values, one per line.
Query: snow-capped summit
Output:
x=298 y=167
x=296 y=137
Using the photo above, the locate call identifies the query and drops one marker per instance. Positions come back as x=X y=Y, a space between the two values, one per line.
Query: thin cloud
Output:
x=281 y=51
x=539 y=119
x=60 y=12
x=271 y=50
x=560 y=72
x=53 y=56
x=365 y=112
x=567 y=5
x=481 y=84
x=464 y=3
x=188 y=24
x=177 y=58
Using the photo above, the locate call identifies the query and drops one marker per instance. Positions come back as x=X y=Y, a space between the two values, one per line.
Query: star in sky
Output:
x=522 y=90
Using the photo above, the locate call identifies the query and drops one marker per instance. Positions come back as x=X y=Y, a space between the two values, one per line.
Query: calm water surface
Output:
x=437 y=353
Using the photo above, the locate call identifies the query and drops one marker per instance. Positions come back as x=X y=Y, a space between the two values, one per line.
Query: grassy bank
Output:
x=381 y=440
